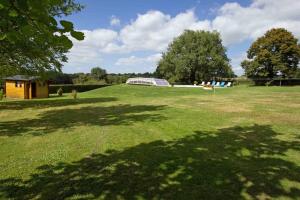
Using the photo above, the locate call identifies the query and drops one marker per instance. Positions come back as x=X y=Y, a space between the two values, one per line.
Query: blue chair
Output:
x=213 y=83
x=222 y=84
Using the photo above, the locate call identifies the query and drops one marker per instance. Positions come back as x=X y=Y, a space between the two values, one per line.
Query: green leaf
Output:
x=4 y=4
x=77 y=35
x=67 y=25
x=12 y=36
x=23 y=5
x=1 y=6
x=53 y=21
x=67 y=43
x=2 y=36
x=27 y=30
x=13 y=13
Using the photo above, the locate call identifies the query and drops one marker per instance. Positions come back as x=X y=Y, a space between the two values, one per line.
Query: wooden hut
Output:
x=26 y=87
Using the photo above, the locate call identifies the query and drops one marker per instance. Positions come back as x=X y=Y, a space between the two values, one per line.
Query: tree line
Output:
x=96 y=76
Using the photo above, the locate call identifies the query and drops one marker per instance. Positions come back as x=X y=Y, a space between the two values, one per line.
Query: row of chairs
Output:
x=216 y=84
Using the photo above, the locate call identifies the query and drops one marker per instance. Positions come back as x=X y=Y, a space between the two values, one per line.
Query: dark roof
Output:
x=22 y=78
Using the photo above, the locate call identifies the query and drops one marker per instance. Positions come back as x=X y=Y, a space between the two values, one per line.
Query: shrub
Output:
x=269 y=83
x=60 y=92
x=243 y=81
x=74 y=94
x=1 y=94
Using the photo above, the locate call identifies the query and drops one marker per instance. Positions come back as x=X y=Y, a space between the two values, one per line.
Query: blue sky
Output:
x=130 y=35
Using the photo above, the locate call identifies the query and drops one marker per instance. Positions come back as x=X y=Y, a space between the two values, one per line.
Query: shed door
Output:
x=33 y=90
x=26 y=90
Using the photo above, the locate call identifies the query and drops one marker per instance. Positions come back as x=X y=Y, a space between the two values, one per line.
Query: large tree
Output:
x=277 y=53
x=98 y=73
x=33 y=38
x=195 y=56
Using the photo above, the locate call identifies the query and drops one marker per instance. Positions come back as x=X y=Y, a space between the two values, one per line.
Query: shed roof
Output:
x=22 y=78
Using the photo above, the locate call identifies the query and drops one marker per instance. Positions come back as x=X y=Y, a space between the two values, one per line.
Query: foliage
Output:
x=195 y=56
x=60 y=92
x=1 y=94
x=277 y=53
x=243 y=81
x=117 y=78
x=32 y=38
x=269 y=83
x=2 y=82
x=56 y=77
x=97 y=76
x=98 y=73
x=74 y=94
x=83 y=78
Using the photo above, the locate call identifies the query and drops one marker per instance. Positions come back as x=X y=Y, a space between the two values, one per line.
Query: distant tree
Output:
x=98 y=73
x=31 y=38
x=60 y=78
x=276 y=53
x=195 y=56
x=81 y=78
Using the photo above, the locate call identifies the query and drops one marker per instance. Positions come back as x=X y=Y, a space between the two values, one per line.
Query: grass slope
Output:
x=135 y=142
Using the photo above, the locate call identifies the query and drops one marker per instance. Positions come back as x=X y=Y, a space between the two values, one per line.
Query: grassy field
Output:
x=135 y=142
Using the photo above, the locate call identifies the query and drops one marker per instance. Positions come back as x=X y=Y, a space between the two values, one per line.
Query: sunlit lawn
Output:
x=136 y=142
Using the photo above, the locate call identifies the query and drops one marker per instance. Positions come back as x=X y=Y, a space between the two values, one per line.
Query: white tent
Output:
x=148 y=81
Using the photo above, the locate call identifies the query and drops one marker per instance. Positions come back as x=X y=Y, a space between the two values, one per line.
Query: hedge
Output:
x=277 y=82
x=79 y=88
x=243 y=81
x=268 y=81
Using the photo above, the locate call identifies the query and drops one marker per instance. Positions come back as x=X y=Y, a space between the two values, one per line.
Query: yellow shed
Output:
x=26 y=87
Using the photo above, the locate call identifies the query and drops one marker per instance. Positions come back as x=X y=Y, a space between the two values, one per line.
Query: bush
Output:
x=243 y=81
x=1 y=94
x=79 y=88
x=60 y=92
x=277 y=82
x=269 y=83
x=74 y=94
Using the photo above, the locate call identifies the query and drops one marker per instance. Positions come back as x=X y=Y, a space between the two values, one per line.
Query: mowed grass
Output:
x=136 y=142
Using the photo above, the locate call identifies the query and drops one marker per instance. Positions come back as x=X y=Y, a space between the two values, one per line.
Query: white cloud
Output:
x=81 y=59
x=154 y=30
x=98 y=38
x=114 y=21
x=237 y=23
x=138 y=64
x=236 y=61
x=88 y=53
x=134 y=61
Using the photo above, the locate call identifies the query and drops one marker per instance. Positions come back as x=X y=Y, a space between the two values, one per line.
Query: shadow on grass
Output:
x=232 y=163
x=50 y=102
x=68 y=118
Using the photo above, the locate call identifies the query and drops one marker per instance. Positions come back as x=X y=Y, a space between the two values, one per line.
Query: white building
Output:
x=148 y=81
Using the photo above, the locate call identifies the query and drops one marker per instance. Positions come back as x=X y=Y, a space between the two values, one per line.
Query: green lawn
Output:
x=136 y=142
